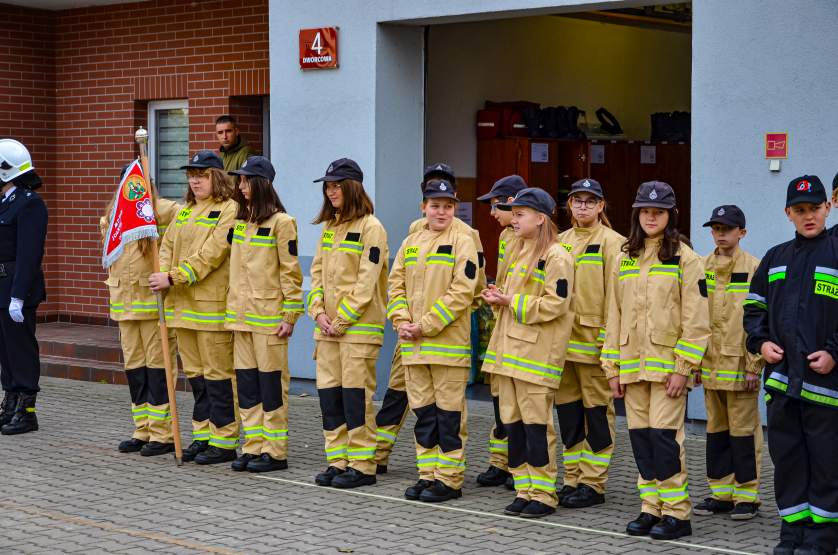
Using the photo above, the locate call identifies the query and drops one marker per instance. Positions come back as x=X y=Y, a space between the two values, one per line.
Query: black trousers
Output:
x=20 y=363
x=803 y=442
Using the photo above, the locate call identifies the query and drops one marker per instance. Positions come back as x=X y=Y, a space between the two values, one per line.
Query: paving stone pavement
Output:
x=65 y=489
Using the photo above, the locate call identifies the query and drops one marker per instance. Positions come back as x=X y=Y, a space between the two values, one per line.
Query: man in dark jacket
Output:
x=791 y=318
x=23 y=229
x=233 y=147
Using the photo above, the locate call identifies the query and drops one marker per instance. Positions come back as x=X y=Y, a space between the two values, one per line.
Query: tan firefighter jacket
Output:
x=349 y=280
x=195 y=253
x=478 y=244
x=506 y=244
x=530 y=339
x=726 y=360
x=596 y=251
x=658 y=319
x=131 y=298
x=265 y=276
x=433 y=284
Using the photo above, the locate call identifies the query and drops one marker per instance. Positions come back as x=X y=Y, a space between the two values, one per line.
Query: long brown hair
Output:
x=670 y=244
x=143 y=244
x=263 y=203
x=547 y=235
x=356 y=203
x=603 y=217
x=222 y=187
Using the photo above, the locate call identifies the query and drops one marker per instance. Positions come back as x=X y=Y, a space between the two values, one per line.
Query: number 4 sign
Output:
x=319 y=48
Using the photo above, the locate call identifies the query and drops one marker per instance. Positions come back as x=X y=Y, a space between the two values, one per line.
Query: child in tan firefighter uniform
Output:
x=656 y=334
x=583 y=403
x=194 y=264
x=347 y=301
x=503 y=190
x=263 y=304
x=432 y=288
x=134 y=307
x=730 y=375
x=394 y=407
x=527 y=349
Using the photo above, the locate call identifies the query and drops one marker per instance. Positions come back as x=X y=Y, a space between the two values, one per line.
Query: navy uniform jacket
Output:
x=23 y=230
x=793 y=301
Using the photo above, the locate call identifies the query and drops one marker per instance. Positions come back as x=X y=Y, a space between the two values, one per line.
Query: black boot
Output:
x=381 y=469
x=155 y=448
x=194 y=448
x=439 y=492
x=671 y=528
x=566 y=491
x=215 y=455
x=24 y=419
x=414 y=491
x=641 y=525
x=267 y=463
x=325 y=478
x=7 y=408
x=493 y=477
x=353 y=478
x=244 y=460
x=132 y=445
x=536 y=509
x=584 y=496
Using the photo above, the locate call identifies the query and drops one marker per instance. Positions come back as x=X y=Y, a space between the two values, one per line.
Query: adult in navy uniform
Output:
x=23 y=229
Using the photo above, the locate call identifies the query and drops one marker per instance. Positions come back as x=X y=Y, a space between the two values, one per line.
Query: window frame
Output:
x=153 y=107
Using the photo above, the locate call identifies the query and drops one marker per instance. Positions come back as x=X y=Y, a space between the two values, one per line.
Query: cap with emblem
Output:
x=505 y=187
x=806 y=189
x=728 y=214
x=204 y=159
x=532 y=197
x=341 y=169
x=256 y=165
x=654 y=194
x=439 y=188
x=440 y=170
x=587 y=185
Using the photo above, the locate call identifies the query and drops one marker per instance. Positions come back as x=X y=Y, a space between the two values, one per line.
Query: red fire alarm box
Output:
x=776 y=146
x=319 y=48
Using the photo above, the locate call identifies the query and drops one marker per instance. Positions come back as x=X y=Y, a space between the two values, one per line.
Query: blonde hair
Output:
x=547 y=236
x=222 y=187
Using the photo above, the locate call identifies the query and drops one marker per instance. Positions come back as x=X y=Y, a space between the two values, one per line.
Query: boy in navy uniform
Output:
x=791 y=318
x=23 y=229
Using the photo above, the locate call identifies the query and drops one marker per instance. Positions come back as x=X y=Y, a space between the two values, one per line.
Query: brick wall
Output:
x=108 y=62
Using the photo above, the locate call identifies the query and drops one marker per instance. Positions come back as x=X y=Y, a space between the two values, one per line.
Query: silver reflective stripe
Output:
x=793 y=510
x=818 y=389
x=828 y=271
x=822 y=512
x=779 y=377
x=755 y=297
x=777 y=270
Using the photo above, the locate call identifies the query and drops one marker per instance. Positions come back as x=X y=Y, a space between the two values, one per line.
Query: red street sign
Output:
x=776 y=146
x=319 y=48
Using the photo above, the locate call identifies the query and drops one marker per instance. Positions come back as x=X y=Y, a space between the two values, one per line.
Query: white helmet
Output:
x=15 y=160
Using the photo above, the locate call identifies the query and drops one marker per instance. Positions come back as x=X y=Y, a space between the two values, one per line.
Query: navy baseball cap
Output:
x=341 y=169
x=728 y=214
x=440 y=169
x=805 y=189
x=587 y=185
x=654 y=194
x=439 y=188
x=505 y=187
x=204 y=159
x=531 y=197
x=256 y=165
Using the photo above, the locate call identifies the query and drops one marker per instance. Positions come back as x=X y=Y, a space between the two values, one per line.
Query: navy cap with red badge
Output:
x=341 y=169
x=806 y=189
x=256 y=165
x=504 y=188
x=439 y=188
x=532 y=197
x=204 y=159
x=728 y=214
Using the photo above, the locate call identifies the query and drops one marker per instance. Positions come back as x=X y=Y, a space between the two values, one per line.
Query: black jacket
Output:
x=23 y=230
x=793 y=301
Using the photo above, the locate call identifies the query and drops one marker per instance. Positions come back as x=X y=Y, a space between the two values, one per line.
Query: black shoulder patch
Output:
x=471 y=270
x=353 y=236
x=542 y=264
x=214 y=214
x=230 y=236
x=739 y=277
x=445 y=249
x=481 y=260
x=375 y=255
x=561 y=288
x=263 y=231
x=592 y=249
x=292 y=247
x=702 y=287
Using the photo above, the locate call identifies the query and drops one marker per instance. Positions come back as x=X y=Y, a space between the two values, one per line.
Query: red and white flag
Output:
x=133 y=214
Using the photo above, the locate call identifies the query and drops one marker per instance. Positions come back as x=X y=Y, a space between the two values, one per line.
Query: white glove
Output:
x=16 y=310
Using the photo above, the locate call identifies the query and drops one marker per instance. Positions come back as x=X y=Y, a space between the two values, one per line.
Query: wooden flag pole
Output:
x=141 y=136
